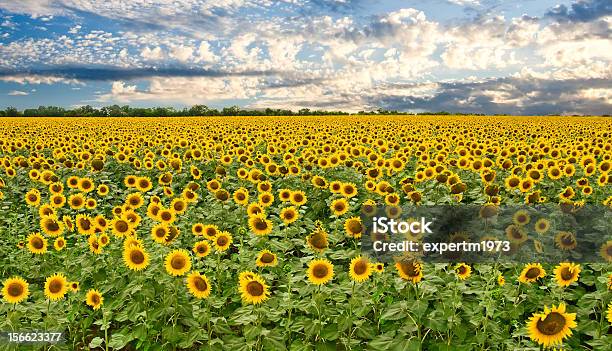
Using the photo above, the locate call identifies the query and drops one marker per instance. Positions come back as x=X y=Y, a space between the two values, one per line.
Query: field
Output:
x=244 y=233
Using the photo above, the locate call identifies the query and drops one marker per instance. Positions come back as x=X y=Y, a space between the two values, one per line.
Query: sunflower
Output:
x=501 y=281
x=265 y=258
x=160 y=232
x=85 y=224
x=368 y=208
x=177 y=262
x=210 y=231
x=76 y=201
x=531 y=273
x=521 y=218
x=565 y=240
x=567 y=273
x=56 y=287
x=542 y=225
x=320 y=271
x=121 y=227
x=317 y=240
x=260 y=225
x=37 y=244
x=86 y=185
x=143 y=184
x=103 y=189
x=241 y=196
x=198 y=285
x=59 y=243
x=52 y=226
x=135 y=258
x=353 y=227
x=516 y=234
x=135 y=200
x=222 y=241
x=166 y=216
x=255 y=209
x=94 y=299
x=298 y=198
x=360 y=269
x=289 y=215
x=606 y=251
x=552 y=326
x=74 y=286
x=201 y=248
x=339 y=207
x=15 y=290
x=32 y=197
x=266 y=199
x=463 y=271
x=178 y=205
x=284 y=195
x=609 y=313
x=378 y=267
x=254 y=290
x=103 y=240
x=410 y=270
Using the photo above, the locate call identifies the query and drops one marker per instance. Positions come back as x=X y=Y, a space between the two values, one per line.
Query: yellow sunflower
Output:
x=463 y=271
x=317 y=240
x=94 y=299
x=135 y=258
x=289 y=215
x=565 y=240
x=360 y=269
x=320 y=271
x=410 y=270
x=260 y=225
x=567 y=273
x=353 y=227
x=552 y=326
x=609 y=313
x=265 y=258
x=201 y=248
x=254 y=290
x=298 y=198
x=51 y=226
x=501 y=281
x=178 y=262
x=531 y=273
x=339 y=207
x=222 y=241
x=15 y=290
x=198 y=285
x=37 y=244
x=160 y=232
x=59 y=243
x=542 y=226
x=56 y=287
x=606 y=251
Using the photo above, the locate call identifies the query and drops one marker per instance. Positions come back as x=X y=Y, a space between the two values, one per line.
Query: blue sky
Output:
x=483 y=56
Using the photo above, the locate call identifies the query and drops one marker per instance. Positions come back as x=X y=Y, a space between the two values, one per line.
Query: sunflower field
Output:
x=245 y=233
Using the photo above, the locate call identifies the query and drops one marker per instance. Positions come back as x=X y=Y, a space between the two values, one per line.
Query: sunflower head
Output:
x=409 y=269
x=531 y=273
x=360 y=269
x=198 y=285
x=550 y=327
x=463 y=271
x=320 y=271
x=178 y=262
x=201 y=248
x=567 y=273
x=15 y=290
x=266 y=258
x=135 y=258
x=37 y=244
x=94 y=299
x=56 y=287
x=253 y=289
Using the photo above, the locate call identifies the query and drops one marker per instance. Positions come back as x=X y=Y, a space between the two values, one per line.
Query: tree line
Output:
x=195 y=110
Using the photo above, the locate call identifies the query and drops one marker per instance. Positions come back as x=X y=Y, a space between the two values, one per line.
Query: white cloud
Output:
x=205 y=53
x=38 y=79
x=152 y=54
x=181 y=53
x=18 y=93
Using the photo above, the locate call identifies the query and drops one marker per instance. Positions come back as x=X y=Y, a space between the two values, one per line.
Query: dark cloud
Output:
x=115 y=73
x=581 y=11
x=524 y=97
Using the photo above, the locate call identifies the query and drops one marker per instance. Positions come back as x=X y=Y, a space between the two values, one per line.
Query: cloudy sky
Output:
x=484 y=56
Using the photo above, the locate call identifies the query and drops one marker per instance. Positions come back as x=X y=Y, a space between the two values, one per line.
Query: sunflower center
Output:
x=55 y=286
x=37 y=243
x=552 y=324
x=320 y=271
x=121 y=226
x=160 y=233
x=566 y=274
x=201 y=249
x=52 y=226
x=532 y=273
x=409 y=269
x=318 y=241
x=222 y=241
x=361 y=267
x=255 y=288
x=95 y=299
x=267 y=258
x=289 y=215
x=178 y=262
x=461 y=270
x=298 y=198
x=260 y=224
x=137 y=257
x=15 y=289
x=200 y=284
x=609 y=250
x=339 y=207
x=567 y=240
x=355 y=227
